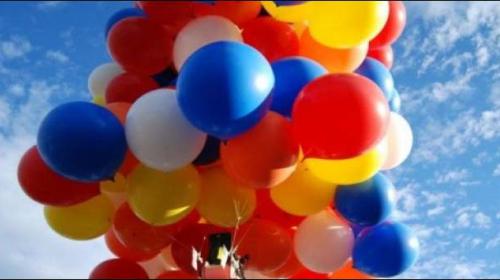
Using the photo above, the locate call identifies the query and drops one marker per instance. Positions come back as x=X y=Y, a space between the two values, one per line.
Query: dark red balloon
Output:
x=140 y=46
x=274 y=39
x=340 y=116
x=129 y=87
x=393 y=27
x=176 y=275
x=267 y=210
x=383 y=54
x=118 y=269
x=121 y=251
x=47 y=187
x=173 y=15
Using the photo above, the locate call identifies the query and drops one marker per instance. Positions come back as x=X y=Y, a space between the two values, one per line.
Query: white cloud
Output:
x=453 y=176
x=57 y=56
x=495 y=94
x=496 y=172
x=482 y=220
x=493 y=243
x=16 y=90
x=407 y=203
x=436 y=211
x=470 y=217
x=5 y=112
x=15 y=47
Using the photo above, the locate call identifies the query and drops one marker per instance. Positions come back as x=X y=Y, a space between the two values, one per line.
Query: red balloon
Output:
x=267 y=210
x=173 y=15
x=393 y=27
x=274 y=39
x=176 y=275
x=239 y=12
x=118 y=269
x=383 y=54
x=128 y=87
x=121 y=251
x=140 y=46
x=45 y=186
x=307 y=274
x=291 y=267
x=340 y=116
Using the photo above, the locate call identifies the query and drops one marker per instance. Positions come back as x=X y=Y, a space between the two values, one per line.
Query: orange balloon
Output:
x=335 y=60
x=264 y=156
x=239 y=12
x=348 y=272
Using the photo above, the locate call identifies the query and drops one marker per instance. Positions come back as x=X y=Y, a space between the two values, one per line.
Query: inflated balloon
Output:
x=177 y=274
x=224 y=202
x=230 y=98
x=291 y=267
x=399 y=141
x=84 y=221
x=117 y=185
x=348 y=272
x=346 y=24
x=82 y=141
x=303 y=193
x=323 y=243
x=153 y=267
x=201 y=32
x=305 y=273
x=367 y=203
x=395 y=103
x=99 y=100
x=167 y=259
x=160 y=198
x=239 y=12
x=340 y=116
x=383 y=54
x=264 y=156
x=118 y=269
x=159 y=135
x=292 y=75
x=120 y=15
x=140 y=46
x=128 y=87
x=379 y=74
x=395 y=241
x=274 y=39
x=393 y=27
x=268 y=210
x=121 y=251
x=334 y=60
x=288 y=3
x=45 y=186
x=172 y=15
x=289 y=13
x=210 y=153
x=101 y=76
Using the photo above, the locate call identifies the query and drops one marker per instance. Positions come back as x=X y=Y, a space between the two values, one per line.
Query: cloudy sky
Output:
x=447 y=68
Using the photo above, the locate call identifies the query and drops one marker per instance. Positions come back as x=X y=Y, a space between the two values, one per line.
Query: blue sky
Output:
x=447 y=69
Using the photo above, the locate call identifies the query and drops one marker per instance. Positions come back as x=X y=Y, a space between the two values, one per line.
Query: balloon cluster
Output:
x=267 y=120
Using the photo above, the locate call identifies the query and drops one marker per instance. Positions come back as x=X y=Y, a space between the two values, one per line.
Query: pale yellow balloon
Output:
x=162 y=198
x=303 y=194
x=84 y=221
x=224 y=202
x=346 y=24
x=293 y=13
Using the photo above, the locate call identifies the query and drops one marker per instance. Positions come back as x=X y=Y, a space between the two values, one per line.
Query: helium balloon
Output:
x=290 y=268
x=172 y=15
x=230 y=98
x=292 y=75
x=153 y=267
x=210 y=152
x=348 y=272
x=115 y=190
x=122 y=14
x=383 y=54
x=45 y=186
x=224 y=202
x=346 y=24
x=367 y=203
x=160 y=198
x=159 y=135
x=289 y=13
x=167 y=259
x=140 y=46
x=340 y=116
x=239 y=12
x=201 y=32
x=82 y=141
x=177 y=274
x=264 y=156
x=395 y=103
x=266 y=209
x=399 y=141
x=128 y=87
x=303 y=193
x=379 y=74
x=99 y=100
x=395 y=241
x=334 y=60
x=101 y=76
x=84 y=221
x=393 y=27
x=305 y=273
x=118 y=269
x=349 y=171
x=121 y=251
x=323 y=243
x=274 y=39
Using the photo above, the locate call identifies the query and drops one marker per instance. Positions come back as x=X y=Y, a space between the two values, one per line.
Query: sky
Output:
x=447 y=68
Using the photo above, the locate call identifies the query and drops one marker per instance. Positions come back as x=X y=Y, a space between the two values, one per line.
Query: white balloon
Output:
x=159 y=135
x=399 y=139
x=101 y=76
x=201 y=32
x=323 y=243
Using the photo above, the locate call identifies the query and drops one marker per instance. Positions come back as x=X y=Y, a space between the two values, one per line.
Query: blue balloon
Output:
x=292 y=75
x=385 y=250
x=395 y=103
x=82 y=141
x=210 y=152
x=367 y=203
x=224 y=88
x=122 y=14
x=379 y=74
x=356 y=229
x=288 y=3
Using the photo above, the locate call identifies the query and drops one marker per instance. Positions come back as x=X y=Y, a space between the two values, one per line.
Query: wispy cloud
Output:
x=15 y=47
x=57 y=56
x=453 y=176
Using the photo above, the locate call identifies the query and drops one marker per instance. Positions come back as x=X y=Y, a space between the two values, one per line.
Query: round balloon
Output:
x=289 y=13
x=82 y=141
x=239 y=12
x=383 y=54
x=266 y=209
x=292 y=75
x=379 y=74
x=230 y=98
x=210 y=153
x=340 y=116
x=159 y=135
x=172 y=15
x=393 y=27
x=348 y=272
x=122 y=14
x=288 y=3
x=121 y=251
x=395 y=103
x=291 y=267
x=128 y=87
x=118 y=269
x=101 y=76
x=395 y=241
x=176 y=274
x=399 y=141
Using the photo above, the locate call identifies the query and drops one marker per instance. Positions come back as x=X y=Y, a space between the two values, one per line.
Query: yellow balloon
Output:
x=346 y=24
x=303 y=194
x=162 y=198
x=115 y=190
x=294 y=13
x=99 y=100
x=349 y=171
x=84 y=221
x=224 y=202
